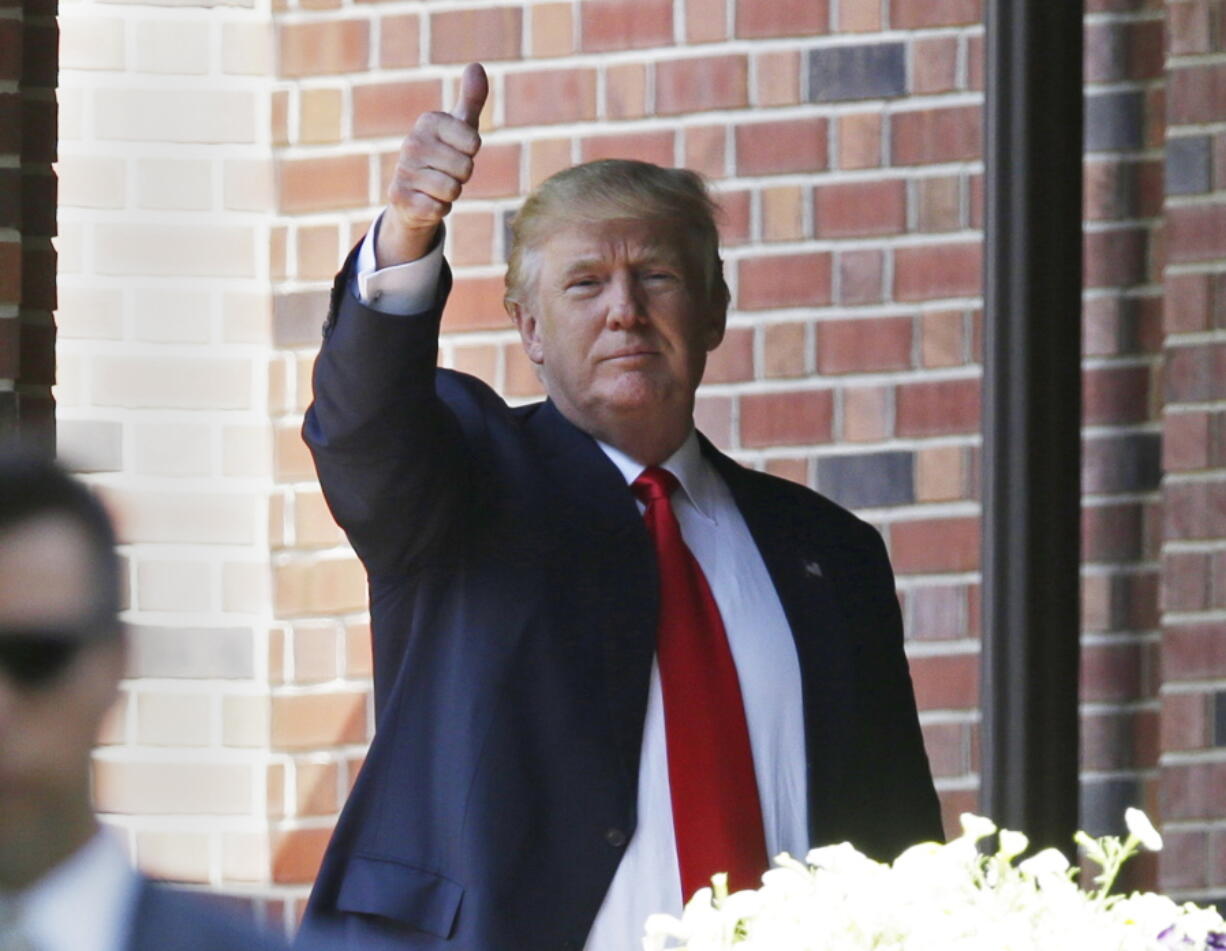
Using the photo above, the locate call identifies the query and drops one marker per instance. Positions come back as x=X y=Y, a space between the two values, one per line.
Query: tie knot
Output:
x=654 y=485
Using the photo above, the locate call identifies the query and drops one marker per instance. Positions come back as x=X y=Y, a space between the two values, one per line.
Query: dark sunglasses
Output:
x=35 y=659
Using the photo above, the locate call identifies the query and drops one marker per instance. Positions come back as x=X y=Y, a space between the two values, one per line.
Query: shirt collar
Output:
x=693 y=472
x=85 y=902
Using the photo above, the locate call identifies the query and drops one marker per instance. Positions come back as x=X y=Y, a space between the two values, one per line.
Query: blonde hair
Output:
x=619 y=188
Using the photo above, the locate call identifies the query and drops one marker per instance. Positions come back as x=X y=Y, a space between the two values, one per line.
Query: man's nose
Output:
x=626 y=302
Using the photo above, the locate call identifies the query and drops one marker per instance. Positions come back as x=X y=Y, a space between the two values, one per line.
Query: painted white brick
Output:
x=91 y=182
x=170 y=315
x=173 y=46
x=89 y=313
x=180 y=184
x=171 y=449
x=179 y=115
x=173 y=586
x=174 y=250
x=246 y=49
x=91 y=42
x=171 y=382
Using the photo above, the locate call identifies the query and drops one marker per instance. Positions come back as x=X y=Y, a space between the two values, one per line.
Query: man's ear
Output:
x=529 y=330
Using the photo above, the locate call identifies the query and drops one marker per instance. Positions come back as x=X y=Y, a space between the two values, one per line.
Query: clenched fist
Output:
x=436 y=160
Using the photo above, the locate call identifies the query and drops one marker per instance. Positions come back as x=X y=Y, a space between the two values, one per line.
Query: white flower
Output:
x=1139 y=825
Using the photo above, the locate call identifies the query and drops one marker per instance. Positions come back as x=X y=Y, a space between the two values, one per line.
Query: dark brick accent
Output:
x=1188 y=164
x=868 y=481
x=1129 y=463
x=1114 y=122
x=1103 y=802
x=296 y=318
x=8 y=415
x=857 y=72
x=1219 y=718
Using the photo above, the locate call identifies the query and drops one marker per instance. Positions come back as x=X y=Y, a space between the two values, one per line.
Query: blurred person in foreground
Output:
x=609 y=661
x=65 y=883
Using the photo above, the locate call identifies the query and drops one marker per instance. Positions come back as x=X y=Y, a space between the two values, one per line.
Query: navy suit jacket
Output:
x=513 y=605
x=166 y=919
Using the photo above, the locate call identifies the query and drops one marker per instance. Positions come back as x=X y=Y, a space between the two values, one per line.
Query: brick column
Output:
x=1193 y=775
x=27 y=221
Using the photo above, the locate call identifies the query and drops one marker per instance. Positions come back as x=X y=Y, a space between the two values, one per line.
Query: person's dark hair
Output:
x=33 y=488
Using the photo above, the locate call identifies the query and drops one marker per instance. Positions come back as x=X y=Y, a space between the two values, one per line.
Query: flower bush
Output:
x=950 y=897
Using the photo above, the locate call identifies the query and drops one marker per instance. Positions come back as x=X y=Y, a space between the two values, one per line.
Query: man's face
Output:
x=48 y=728
x=617 y=325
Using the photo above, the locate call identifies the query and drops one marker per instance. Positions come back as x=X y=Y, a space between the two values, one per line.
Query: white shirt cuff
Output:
x=403 y=288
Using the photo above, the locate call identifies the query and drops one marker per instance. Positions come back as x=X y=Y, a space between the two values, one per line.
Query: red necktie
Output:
x=717 y=817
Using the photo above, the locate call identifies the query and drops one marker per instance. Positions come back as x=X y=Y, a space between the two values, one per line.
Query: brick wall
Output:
x=27 y=220
x=217 y=163
x=1193 y=643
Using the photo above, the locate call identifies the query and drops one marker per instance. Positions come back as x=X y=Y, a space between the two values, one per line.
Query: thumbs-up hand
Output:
x=436 y=161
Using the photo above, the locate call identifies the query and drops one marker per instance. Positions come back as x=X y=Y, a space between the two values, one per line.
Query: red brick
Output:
x=773 y=148
x=320 y=184
x=1115 y=395
x=784 y=280
x=909 y=15
x=856 y=16
x=860 y=276
x=315 y=49
x=1112 y=532
x=866 y=413
x=552 y=29
x=1184 y=859
x=1193 y=791
x=476 y=304
x=462 y=36
x=864 y=345
x=1185 y=723
x=317 y=720
x=860 y=140
x=10 y=342
x=1187 y=303
x=297 y=854
x=859 y=209
x=936 y=135
x=1117 y=740
x=655 y=146
x=609 y=25
x=755 y=19
x=946 y=681
x=706 y=82
x=713 y=417
x=625 y=91
x=495 y=172
x=547 y=97
x=943 y=338
x=10 y=49
x=1195 y=373
x=399 y=41
x=547 y=156
x=948 y=748
x=786 y=467
x=934 y=64
x=786 y=419
x=1196 y=232
x=38 y=130
x=1195 y=509
x=783 y=350
x=521 y=379
x=390 y=108
x=936 y=612
x=706 y=21
x=926 y=546
x=1111 y=672
x=938 y=407
x=706 y=150
x=38 y=278
x=1195 y=93
x=938 y=203
x=472 y=238
x=1187 y=25
x=734 y=217
x=777 y=78
x=933 y=271
x=732 y=361
x=480 y=361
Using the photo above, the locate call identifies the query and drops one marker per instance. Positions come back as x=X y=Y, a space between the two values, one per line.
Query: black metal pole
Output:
x=1032 y=418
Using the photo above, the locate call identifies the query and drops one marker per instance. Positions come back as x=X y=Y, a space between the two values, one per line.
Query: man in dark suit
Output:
x=65 y=884
x=609 y=661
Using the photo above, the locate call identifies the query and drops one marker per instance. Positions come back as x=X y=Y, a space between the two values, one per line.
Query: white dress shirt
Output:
x=86 y=903
x=648 y=879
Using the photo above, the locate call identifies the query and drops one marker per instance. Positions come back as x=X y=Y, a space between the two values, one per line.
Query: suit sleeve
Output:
x=899 y=807
x=389 y=453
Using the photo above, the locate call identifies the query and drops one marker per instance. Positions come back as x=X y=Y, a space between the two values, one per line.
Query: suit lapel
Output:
x=609 y=568
x=795 y=556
